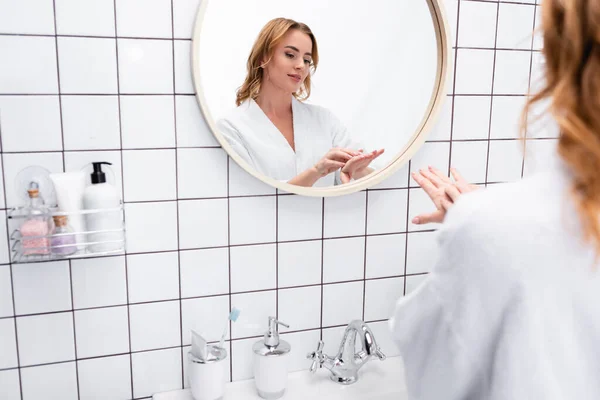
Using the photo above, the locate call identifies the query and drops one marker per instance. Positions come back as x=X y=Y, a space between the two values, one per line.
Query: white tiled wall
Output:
x=110 y=80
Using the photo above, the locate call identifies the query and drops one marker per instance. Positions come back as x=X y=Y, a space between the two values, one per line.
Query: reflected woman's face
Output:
x=291 y=61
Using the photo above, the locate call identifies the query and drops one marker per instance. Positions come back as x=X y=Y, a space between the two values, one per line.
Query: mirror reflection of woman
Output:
x=274 y=130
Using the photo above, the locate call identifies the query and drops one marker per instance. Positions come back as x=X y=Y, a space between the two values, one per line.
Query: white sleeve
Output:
x=234 y=138
x=341 y=137
x=446 y=329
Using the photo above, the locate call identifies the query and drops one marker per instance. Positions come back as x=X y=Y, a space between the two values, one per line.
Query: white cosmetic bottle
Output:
x=104 y=222
x=271 y=358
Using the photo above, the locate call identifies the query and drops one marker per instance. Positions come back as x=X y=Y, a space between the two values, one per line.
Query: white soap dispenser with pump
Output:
x=271 y=357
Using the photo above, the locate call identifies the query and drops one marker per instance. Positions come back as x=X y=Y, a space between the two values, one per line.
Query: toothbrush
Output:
x=233 y=316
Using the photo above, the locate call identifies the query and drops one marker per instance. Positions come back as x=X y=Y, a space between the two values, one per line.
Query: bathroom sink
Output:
x=379 y=380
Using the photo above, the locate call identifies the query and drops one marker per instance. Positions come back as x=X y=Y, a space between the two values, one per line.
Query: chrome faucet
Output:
x=344 y=367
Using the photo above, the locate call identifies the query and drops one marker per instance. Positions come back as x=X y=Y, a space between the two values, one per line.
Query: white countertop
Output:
x=378 y=380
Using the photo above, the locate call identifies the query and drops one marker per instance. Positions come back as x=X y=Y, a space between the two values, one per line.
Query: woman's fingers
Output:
x=453 y=192
x=436 y=216
x=433 y=178
x=441 y=176
x=425 y=184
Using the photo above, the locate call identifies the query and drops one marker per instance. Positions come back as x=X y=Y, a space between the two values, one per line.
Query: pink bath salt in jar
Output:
x=36 y=228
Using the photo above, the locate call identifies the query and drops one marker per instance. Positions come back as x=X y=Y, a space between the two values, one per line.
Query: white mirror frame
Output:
x=438 y=95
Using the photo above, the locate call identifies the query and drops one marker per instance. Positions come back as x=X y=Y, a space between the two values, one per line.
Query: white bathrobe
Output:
x=511 y=311
x=256 y=139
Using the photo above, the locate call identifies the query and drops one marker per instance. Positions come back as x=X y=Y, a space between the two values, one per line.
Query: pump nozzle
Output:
x=98 y=176
x=272 y=335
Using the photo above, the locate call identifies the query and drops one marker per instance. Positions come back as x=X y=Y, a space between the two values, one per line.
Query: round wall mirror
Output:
x=320 y=98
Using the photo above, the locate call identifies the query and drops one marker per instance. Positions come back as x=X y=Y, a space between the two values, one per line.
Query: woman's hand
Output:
x=442 y=191
x=335 y=159
x=357 y=166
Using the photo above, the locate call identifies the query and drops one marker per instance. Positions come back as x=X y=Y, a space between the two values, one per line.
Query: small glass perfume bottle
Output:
x=36 y=228
x=63 y=240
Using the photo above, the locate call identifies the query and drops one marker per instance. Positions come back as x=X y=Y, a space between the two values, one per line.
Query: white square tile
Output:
x=332 y=338
x=299 y=263
x=153 y=277
x=538 y=39
x=45 y=338
x=431 y=154
x=104 y=378
x=252 y=220
x=29 y=65
x=10 y=385
x=422 y=252
x=20 y=132
x=538 y=72
x=505 y=162
x=342 y=303
x=300 y=308
x=14 y=163
x=102 y=331
x=8 y=344
x=302 y=343
x=150 y=175
x=156 y=371
x=385 y=255
x=42 y=287
x=540 y=123
x=243 y=359
x=57 y=381
x=477 y=26
x=183 y=72
x=343 y=259
x=156 y=22
x=451 y=7
x=381 y=296
x=91 y=122
x=506 y=117
x=6 y=303
x=4 y=246
x=255 y=311
x=470 y=159
x=345 y=215
x=253 y=267
x=204 y=272
x=159 y=219
x=419 y=203
x=471 y=117
x=412 y=282
x=87 y=65
x=203 y=223
x=192 y=129
x=207 y=316
x=385 y=340
x=299 y=217
x=201 y=173
x=16 y=17
x=242 y=183
x=3 y=249
x=385 y=212
x=184 y=16
x=538 y=155
x=398 y=180
x=512 y=72
x=148 y=121
x=441 y=129
x=515 y=26
x=99 y=282
x=82 y=160
x=154 y=325
x=145 y=66
x=474 y=70
x=95 y=18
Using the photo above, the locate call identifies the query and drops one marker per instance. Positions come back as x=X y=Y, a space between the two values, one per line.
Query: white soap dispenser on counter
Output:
x=271 y=358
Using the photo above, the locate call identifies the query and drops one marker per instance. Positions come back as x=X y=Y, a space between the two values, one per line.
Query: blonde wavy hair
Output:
x=268 y=38
x=571 y=33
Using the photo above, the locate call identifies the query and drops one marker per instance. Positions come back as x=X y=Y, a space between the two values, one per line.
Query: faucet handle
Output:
x=317 y=357
x=379 y=354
